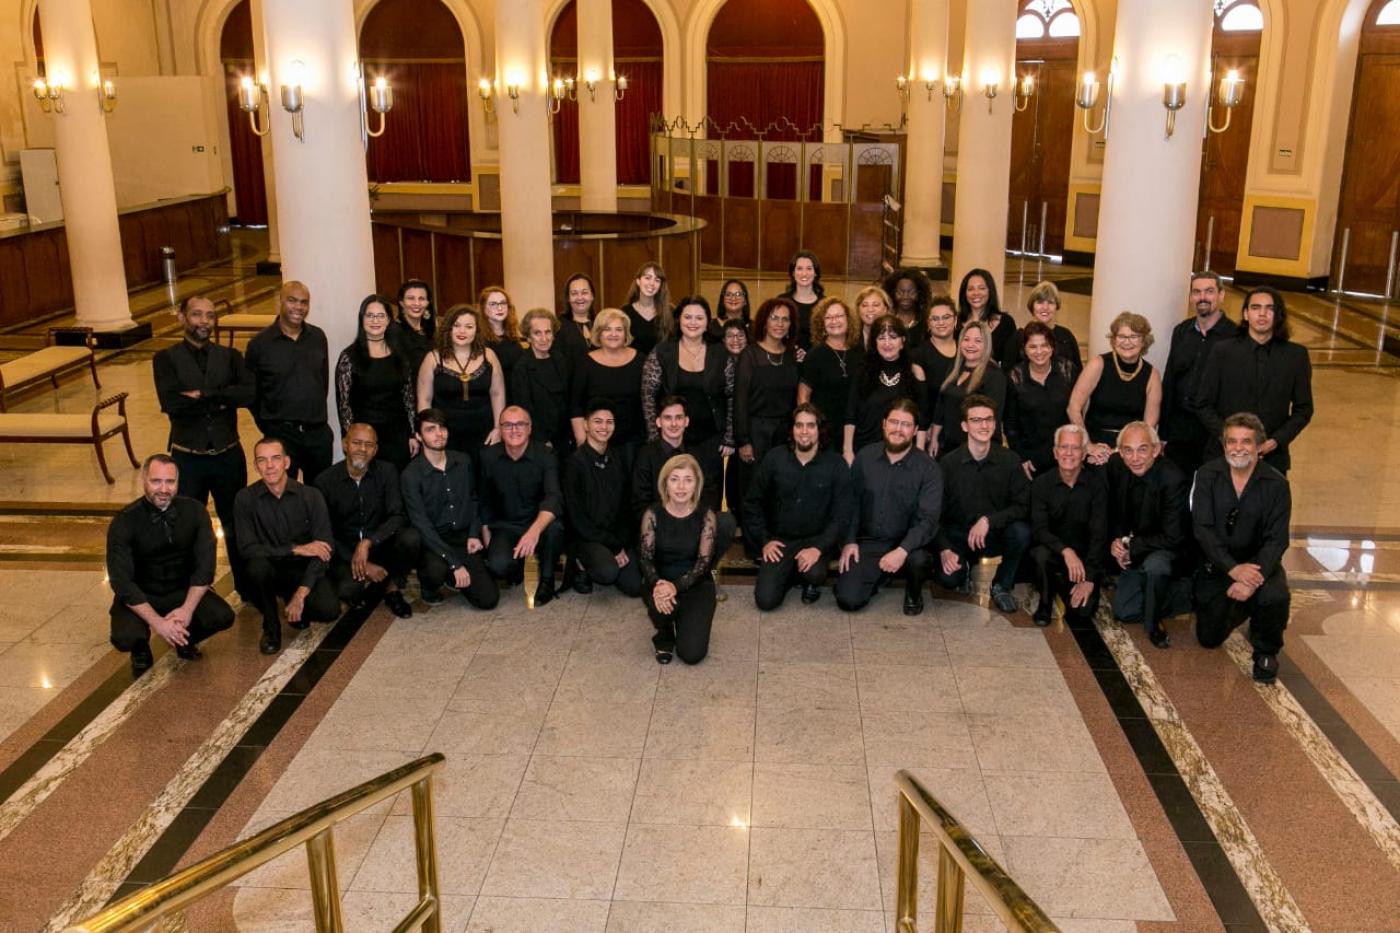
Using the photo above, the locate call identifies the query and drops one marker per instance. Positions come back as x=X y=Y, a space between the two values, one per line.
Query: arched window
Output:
x=1054 y=19
x=1239 y=16
x=1389 y=14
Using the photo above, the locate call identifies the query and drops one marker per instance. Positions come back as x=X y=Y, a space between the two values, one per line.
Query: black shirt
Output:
x=208 y=423
x=1153 y=508
x=413 y=344
x=1187 y=357
x=515 y=492
x=708 y=394
x=646 y=469
x=936 y=368
x=1249 y=528
x=894 y=503
x=293 y=376
x=644 y=335
x=1066 y=348
x=829 y=375
x=1064 y=516
x=370 y=509
x=790 y=501
x=541 y=387
x=595 y=498
x=441 y=502
x=270 y=526
x=994 y=486
x=509 y=352
x=766 y=387
x=620 y=385
x=150 y=552
x=375 y=390
x=1034 y=411
x=1272 y=380
x=870 y=401
x=950 y=399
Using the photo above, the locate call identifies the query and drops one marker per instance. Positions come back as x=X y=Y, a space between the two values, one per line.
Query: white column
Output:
x=274 y=245
x=526 y=218
x=984 y=140
x=85 y=182
x=322 y=188
x=923 y=189
x=597 y=113
x=1147 y=211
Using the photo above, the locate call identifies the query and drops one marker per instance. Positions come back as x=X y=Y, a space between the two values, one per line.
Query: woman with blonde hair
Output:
x=872 y=303
x=832 y=364
x=1117 y=387
x=612 y=371
x=676 y=553
x=463 y=378
x=973 y=371
x=503 y=328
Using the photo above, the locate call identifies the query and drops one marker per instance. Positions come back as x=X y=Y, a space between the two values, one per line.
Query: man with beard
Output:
x=797 y=510
x=1069 y=524
x=896 y=494
x=1241 y=509
x=373 y=549
x=1191 y=344
x=201 y=386
x=291 y=366
x=521 y=504
x=672 y=422
x=160 y=563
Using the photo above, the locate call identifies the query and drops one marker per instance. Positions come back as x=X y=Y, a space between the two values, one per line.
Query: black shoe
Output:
x=663 y=657
x=398 y=605
x=1160 y=639
x=810 y=594
x=1265 y=668
x=582 y=584
x=1043 y=616
x=300 y=624
x=913 y=602
x=516 y=576
x=271 y=643
x=1003 y=599
x=189 y=652
x=545 y=592
x=141 y=660
x=432 y=596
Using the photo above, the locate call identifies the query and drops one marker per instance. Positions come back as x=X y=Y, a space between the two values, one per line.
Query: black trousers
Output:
x=433 y=572
x=686 y=630
x=311 y=446
x=1145 y=593
x=278 y=578
x=1217 y=615
x=775 y=579
x=856 y=587
x=600 y=563
x=1010 y=543
x=504 y=538
x=211 y=615
x=1052 y=579
x=398 y=555
x=764 y=435
x=220 y=476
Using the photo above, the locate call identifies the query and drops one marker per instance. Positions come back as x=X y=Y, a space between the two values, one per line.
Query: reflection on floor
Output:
x=589 y=789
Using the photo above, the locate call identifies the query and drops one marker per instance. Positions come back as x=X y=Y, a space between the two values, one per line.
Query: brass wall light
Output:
x=1229 y=93
x=293 y=100
x=49 y=94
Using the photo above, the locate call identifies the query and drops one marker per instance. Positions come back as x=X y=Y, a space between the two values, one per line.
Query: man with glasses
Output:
x=986 y=506
x=520 y=504
x=1241 y=509
x=1191 y=345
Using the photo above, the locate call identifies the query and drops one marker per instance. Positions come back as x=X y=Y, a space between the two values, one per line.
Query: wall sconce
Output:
x=901 y=84
x=990 y=86
x=513 y=92
x=49 y=94
x=250 y=95
x=381 y=101
x=293 y=100
x=620 y=91
x=1229 y=94
x=107 y=96
x=571 y=85
x=483 y=90
x=1173 y=90
x=590 y=81
x=1088 y=97
x=558 y=91
x=953 y=93
x=1023 y=92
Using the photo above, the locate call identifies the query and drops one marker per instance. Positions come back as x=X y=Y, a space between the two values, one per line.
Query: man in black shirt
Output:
x=284 y=538
x=672 y=422
x=986 y=504
x=1069 y=522
x=201 y=386
x=798 y=508
x=1261 y=372
x=895 y=495
x=595 y=501
x=291 y=365
x=521 y=504
x=1192 y=342
x=439 y=494
x=373 y=549
x=160 y=564
x=1149 y=525
x=1241 y=509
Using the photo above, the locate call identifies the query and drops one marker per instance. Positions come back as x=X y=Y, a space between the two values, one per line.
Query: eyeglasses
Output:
x=498 y=304
x=376 y=316
x=514 y=425
x=737 y=296
x=900 y=425
x=943 y=318
x=1128 y=338
x=988 y=419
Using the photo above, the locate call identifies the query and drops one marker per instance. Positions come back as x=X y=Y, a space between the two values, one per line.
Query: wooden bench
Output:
x=49 y=362
x=57 y=428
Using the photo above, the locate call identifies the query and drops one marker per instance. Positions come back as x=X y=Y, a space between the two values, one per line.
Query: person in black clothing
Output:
x=502 y=329
x=973 y=372
x=201 y=385
x=416 y=324
x=576 y=318
x=1117 y=387
x=733 y=306
x=977 y=301
x=896 y=494
x=1069 y=525
x=912 y=294
x=1262 y=372
x=1191 y=343
x=374 y=385
x=648 y=309
x=521 y=505
x=765 y=390
x=830 y=368
x=439 y=495
x=372 y=547
x=1149 y=525
x=612 y=371
x=595 y=502
x=672 y=426
x=1241 y=509
x=938 y=352
x=285 y=540
x=986 y=506
x=804 y=291
x=798 y=511
x=1044 y=305
x=160 y=564
x=462 y=378
x=539 y=383
x=290 y=363
x=1038 y=390
x=675 y=553
x=887 y=373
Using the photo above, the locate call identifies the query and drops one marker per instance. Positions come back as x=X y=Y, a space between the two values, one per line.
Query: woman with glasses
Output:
x=462 y=377
x=733 y=306
x=374 y=384
x=972 y=371
x=834 y=362
x=1117 y=387
x=887 y=374
x=503 y=328
x=648 y=309
x=939 y=352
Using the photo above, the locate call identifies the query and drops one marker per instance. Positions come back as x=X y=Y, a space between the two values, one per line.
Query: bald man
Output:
x=291 y=367
x=520 y=504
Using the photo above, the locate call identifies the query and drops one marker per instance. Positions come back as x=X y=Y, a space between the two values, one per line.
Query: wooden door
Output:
x=1225 y=156
x=1041 y=138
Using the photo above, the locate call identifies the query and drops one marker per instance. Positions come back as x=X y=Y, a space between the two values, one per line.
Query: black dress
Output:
x=829 y=374
x=1066 y=348
x=541 y=387
x=644 y=334
x=1004 y=348
x=571 y=340
x=1116 y=401
x=802 y=327
x=413 y=344
x=950 y=406
x=621 y=385
x=377 y=392
x=870 y=402
x=1035 y=411
x=936 y=368
x=509 y=353
x=765 y=392
x=467 y=404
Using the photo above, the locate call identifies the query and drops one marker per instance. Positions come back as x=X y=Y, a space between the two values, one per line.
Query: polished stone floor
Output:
x=588 y=789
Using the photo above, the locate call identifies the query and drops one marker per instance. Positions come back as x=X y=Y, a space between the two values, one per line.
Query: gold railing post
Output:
x=948 y=916
x=907 y=878
x=425 y=850
x=325 y=890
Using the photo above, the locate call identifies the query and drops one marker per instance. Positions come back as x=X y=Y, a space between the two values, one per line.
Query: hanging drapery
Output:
x=245 y=152
x=425 y=138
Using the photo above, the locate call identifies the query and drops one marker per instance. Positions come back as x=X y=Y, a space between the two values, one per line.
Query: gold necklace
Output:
x=1127 y=377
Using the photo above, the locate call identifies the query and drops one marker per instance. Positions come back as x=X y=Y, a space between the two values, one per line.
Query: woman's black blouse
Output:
x=621 y=385
x=829 y=374
x=1035 y=411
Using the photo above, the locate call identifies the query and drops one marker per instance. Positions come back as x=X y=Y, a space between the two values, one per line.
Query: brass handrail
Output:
x=959 y=856
x=314 y=826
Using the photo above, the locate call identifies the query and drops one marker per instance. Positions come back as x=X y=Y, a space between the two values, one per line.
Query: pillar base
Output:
x=116 y=339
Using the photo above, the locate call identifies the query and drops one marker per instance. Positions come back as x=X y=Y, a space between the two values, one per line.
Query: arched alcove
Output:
x=245 y=148
x=1042 y=134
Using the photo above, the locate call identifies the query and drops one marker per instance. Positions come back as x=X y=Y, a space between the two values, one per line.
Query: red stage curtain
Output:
x=634 y=120
x=566 y=140
x=763 y=92
x=426 y=135
x=245 y=150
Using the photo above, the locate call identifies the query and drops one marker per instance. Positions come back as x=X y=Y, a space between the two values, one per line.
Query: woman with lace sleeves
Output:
x=676 y=553
x=373 y=384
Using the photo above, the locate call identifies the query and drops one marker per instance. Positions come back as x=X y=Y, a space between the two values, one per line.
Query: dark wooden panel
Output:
x=454 y=270
x=570 y=258
x=782 y=232
x=50 y=279
x=741 y=233
x=177 y=225
x=824 y=233
x=387 y=273
x=678 y=258
x=710 y=209
x=14 y=282
x=621 y=260
x=866 y=221
x=418 y=255
x=1225 y=157
x=488 y=265
x=202 y=232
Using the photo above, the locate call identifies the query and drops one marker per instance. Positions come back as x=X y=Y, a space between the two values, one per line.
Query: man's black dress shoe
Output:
x=810 y=594
x=141 y=660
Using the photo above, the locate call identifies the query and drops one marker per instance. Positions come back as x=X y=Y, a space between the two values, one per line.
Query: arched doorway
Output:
x=1370 y=199
x=418 y=46
x=1042 y=135
x=245 y=148
x=1239 y=27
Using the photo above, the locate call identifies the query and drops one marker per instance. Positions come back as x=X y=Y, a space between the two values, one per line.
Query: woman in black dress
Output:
x=502 y=330
x=977 y=301
x=1037 y=397
x=939 y=352
x=1044 y=305
x=912 y=294
x=374 y=384
x=804 y=291
x=539 y=383
x=576 y=321
x=886 y=375
x=736 y=338
x=833 y=363
x=463 y=378
x=733 y=306
x=648 y=309
x=765 y=391
x=871 y=304
x=1117 y=387
x=417 y=324
x=972 y=371
x=612 y=371
x=675 y=554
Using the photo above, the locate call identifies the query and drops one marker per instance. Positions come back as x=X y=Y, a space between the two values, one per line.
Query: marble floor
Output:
x=588 y=789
